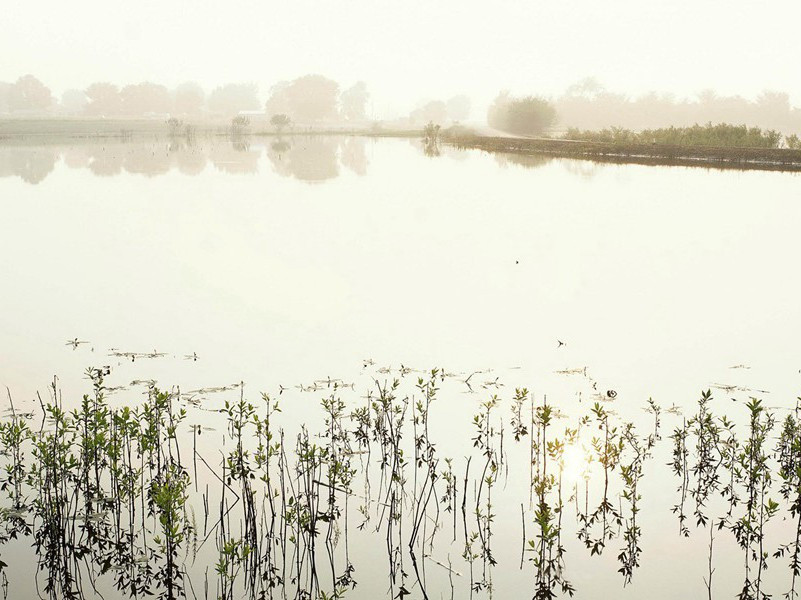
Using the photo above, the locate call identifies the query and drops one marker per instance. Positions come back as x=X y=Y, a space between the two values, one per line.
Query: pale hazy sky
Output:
x=411 y=50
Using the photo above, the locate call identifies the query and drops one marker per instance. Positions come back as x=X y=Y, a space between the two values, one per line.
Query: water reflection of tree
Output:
x=32 y=165
x=529 y=161
x=235 y=157
x=582 y=168
x=150 y=160
x=190 y=158
x=307 y=158
x=354 y=155
x=106 y=162
x=428 y=146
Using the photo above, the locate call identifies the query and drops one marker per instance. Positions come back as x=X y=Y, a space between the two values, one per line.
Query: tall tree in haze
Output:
x=30 y=94
x=589 y=87
x=434 y=111
x=524 y=116
x=458 y=108
x=773 y=110
x=229 y=99
x=143 y=98
x=188 y=99
x=280 y=121
x=278 y=102
x=311 y=98
x=354 y=102
x=104 y=99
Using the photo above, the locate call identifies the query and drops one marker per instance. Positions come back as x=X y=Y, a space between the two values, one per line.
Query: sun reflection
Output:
x=576 y=463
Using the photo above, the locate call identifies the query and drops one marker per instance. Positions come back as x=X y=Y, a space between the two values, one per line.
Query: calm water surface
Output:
x=280 y=262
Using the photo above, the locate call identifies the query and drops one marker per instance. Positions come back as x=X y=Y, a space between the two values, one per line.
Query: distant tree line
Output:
x=311 y=98
x=455 y=110
x=588 y=105
x=587 y=111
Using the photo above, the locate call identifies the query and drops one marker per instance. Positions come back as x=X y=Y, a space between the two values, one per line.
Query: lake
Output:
x=303 y=265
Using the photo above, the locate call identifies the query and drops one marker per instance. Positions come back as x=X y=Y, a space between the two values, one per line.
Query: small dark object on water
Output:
x=560 y=343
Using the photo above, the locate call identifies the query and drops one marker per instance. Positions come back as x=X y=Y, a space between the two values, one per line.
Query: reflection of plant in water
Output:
x=106 y=495
x=637 y=451
x=753 y=474
x=789 y=455
x=339 y=474
x=431 y=139
x=547 y=548
x=484 y=441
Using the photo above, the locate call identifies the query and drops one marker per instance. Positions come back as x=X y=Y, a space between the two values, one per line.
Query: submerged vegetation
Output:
x=138 y=498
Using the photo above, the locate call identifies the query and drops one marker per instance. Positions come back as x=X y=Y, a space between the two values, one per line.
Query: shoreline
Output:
x=39 y=131
x=765 y=159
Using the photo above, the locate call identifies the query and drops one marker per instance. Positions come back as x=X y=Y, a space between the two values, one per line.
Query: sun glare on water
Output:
x=576 y=463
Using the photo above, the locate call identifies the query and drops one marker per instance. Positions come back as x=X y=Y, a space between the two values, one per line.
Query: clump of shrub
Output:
x=530 y=115
x=239 y=125
x=280 y=122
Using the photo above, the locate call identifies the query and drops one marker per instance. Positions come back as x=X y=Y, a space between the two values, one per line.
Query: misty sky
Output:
x=412 y=50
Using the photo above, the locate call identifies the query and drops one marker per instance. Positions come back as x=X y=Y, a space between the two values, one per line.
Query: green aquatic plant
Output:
x=107 y=492
x=599 y=526
x=753 y=473
x=788 y=452
x=547 y=549
x=635 y=453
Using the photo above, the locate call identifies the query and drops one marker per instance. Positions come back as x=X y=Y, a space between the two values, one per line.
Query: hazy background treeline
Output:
x=308 y=98
x=586 y=105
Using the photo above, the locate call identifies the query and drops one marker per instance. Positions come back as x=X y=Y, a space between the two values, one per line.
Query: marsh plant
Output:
x=150 y=498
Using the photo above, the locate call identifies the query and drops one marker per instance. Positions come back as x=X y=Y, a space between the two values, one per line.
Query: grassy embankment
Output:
x=719 y=146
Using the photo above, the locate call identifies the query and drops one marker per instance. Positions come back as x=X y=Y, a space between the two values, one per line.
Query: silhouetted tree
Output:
x=434 y=111
x=278 y=102
x=29 y=93
x=104 y=99
x=239 y=125
x=188 y=99
x=354 y=102
x=280 y=122
x=145 y=97
x=458 y=108
x=523 y=116
x=228 y=100
x=308 y=98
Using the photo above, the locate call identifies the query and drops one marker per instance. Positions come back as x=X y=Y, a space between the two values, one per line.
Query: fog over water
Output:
x=305 y=299
x=407 y=53
x=353 y=258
